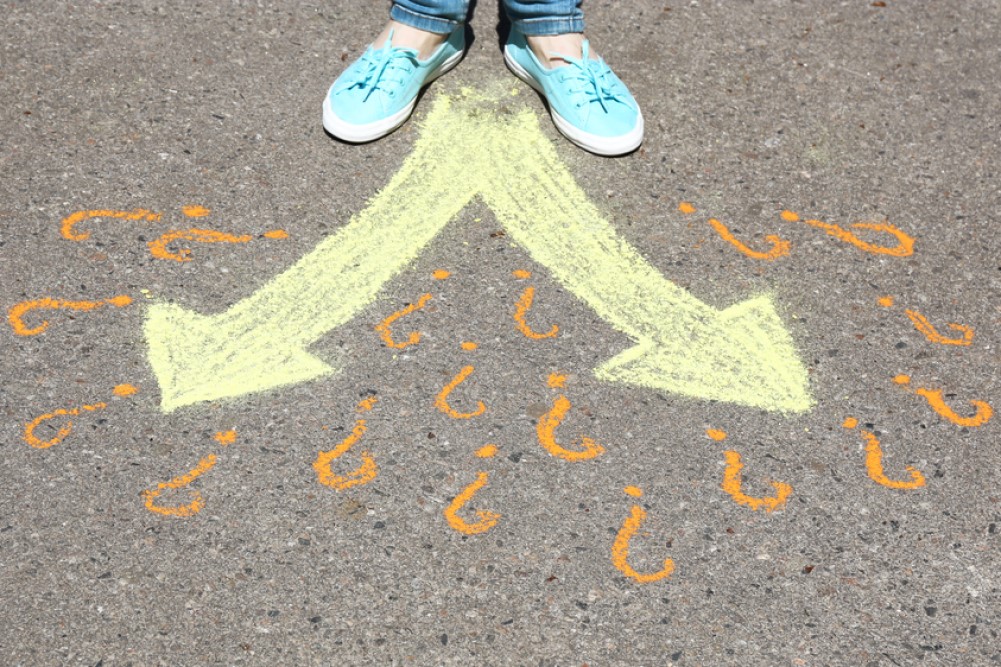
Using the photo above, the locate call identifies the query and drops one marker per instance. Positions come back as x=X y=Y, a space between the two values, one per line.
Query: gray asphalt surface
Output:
x=840 y=111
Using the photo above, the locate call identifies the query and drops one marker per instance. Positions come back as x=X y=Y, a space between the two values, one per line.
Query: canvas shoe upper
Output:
x=590 y=105
x=377 y=92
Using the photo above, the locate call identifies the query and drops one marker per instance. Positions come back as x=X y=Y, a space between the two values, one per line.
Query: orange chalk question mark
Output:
x=922 y=324
x=17 y=312
x=38 y=443
x=188 y=509
x=521 y=309
x=487 y=519
x=546 y=428
x=441 y=400
x=383 y=328
x=224 y=438
x=905 y=242
x=158 y=248
x=548 y=423
x=732 y=483
x=364 y=474
x=936 y=399
x=70 y=221
x=620 y=548
x=874 y=462
x=780 y=247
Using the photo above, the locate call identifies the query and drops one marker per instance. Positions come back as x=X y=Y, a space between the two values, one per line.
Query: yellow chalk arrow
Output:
x=742 y=354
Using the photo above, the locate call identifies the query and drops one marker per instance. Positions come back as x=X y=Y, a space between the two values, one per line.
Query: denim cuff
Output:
x=423 y=21
x=549 y=26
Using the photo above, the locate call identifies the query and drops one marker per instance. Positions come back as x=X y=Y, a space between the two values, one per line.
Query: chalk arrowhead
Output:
x=741 y=355
x=199 y=358
x=470 y=147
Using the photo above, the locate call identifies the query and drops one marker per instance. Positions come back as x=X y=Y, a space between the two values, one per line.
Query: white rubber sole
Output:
x=360 y=134
x=599 y=145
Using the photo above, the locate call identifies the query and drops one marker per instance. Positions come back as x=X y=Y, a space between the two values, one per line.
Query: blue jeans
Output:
x=531 y=17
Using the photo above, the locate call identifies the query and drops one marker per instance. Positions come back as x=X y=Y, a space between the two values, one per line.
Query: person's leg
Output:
x=377 y=93
x=423 y=25
x=589 y=104
x=550 y=26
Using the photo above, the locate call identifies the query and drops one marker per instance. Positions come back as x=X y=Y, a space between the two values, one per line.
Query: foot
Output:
x=377 y=93
x=423 y=42
x=589 y=104
x=552 y=50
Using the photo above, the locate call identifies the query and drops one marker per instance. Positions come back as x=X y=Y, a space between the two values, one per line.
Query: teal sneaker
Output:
x=377 y=93
x=589 y=104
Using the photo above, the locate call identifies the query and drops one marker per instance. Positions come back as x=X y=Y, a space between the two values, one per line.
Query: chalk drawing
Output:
x=363 y=474
x=546 y=427
x=922 y=324
x=441 y=400
x=225 y=438
x=780 y=247
x=69 y=223
x=936 y=399
x=733 y=481
x=17 y=312
x=65 y=430
x=874 y=462
x=195 y=211
x=521 y=309
x=121 y=390
x=716 y=434
x=742 y=354
x=620 y=548
x=159 y=247
x=486 y=519
x=486 y=452
x=903 y=248
x=383 y=328
x=197 y=502
x=188 y=509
